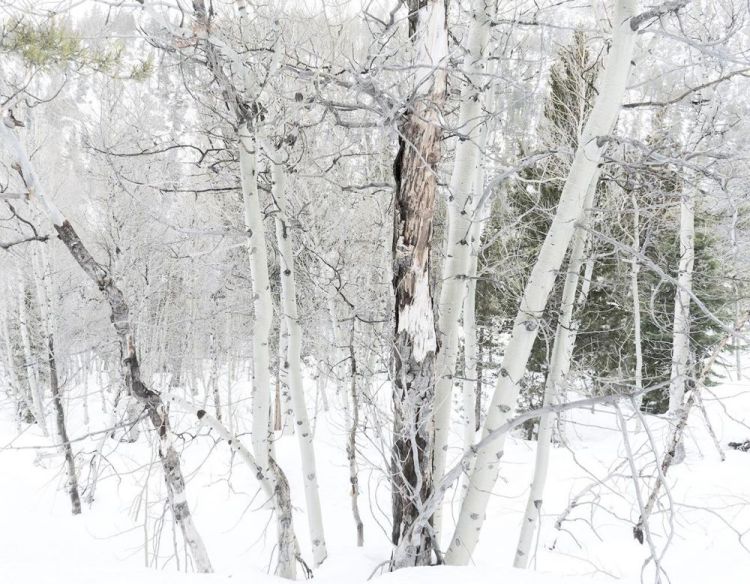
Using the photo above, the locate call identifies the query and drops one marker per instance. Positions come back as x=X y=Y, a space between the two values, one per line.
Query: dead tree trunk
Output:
x=415 y=340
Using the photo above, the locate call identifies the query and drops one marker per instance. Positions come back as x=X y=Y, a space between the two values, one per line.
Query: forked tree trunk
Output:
x=415 y=342
x=462 y=204
x=536 y=293
x=293 y=366
x=262 y=301
x=120 y=316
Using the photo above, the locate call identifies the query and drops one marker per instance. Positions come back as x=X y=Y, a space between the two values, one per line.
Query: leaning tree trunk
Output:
x=120 y=316
x=293 y=365
x=562 y=352
x=534 y=300
x=415 y=343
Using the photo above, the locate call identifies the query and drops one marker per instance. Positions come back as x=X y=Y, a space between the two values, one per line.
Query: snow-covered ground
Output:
x=41 y=543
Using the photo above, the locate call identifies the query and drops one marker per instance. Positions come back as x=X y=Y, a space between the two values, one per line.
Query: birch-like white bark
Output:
x=461 y=207
x=681 y=329
x=536 y=293
x=293 y=364
x=562 y=352
x=22 y=400
x=262 y=301
x=32 y=376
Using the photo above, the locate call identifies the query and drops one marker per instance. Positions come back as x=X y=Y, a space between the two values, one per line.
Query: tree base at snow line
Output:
x=741 y=446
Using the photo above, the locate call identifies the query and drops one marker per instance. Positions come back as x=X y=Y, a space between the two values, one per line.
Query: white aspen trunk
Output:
x=283 y=412
x=23 y=411
x=321 y=381
x=293 y=363
x=120 y=315
x=212 y=387
x=471 y=383
x=562 y=352
x=738 y=307
x=681 y=330
x=636 y=266
x=262 y=301
x=351 y=446
x=461 y=207
x=32 y=374
x=536 y=293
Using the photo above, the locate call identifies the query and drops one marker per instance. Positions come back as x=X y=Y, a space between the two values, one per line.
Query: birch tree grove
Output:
x=401 y=290
x=583 y=171
x=119 y=313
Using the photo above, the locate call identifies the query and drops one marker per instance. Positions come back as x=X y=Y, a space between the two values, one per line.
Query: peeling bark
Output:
x=415 y=343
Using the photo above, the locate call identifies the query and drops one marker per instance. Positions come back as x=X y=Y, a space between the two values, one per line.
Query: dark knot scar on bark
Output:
x=200 y=414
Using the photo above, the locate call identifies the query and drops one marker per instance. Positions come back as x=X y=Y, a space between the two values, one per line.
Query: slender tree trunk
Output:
x=32 y=375
x=681 y=333
x=738 y=307
x=213 y=376
x=293 y=363
x=62 y=432
x=414 y=342
x=462 y=204
x=637 y=340
x=480 y=375
x=277 y=489
x=338 y=358
x=45 y=297
x=351 y=447
x=120 y=315
x=562 y=352
x=572 y=202
x=23 y=409
x=472 y=385
x=263 y=305
x=262 y=302
x=677 y=430
x=85 y=369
